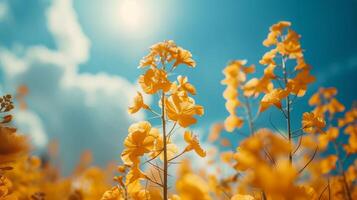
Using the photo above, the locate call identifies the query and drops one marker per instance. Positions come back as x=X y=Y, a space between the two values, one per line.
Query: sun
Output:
x=132 y=14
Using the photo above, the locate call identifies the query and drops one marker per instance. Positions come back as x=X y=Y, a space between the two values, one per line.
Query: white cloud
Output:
x=63 y=24
x=4 y=9
x=82 y=110
x=29 y=122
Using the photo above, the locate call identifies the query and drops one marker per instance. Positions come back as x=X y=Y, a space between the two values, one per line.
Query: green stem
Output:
x=288 y=120
x=249 y=114
x=163 y=119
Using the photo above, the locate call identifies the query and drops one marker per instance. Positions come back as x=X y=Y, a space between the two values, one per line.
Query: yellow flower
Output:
x=183 y=57
x=274 y=97
x=275 y=31
x=192 y=187
x=159 y=147
x=166 y=50
x=138 y=104
x=5 y=186
x=256 y=86
x=324 y=138
x=298 y=85
x=350 y=117
x=327 y=164
x=12 y=145
x=182 y=110
x=268 y=58
x=351 y=146
x=334 y=106
x=149 y=60
x=134 y=174
x=312 y=123
x=215 y=132
x=113 y=194
x=301 y=64
x=290 y=46
x=232 y=122
x=242 y=197
x=183 y=86
x=140 y=140
x=235 y=73
x=154 y=80
x=193 y=144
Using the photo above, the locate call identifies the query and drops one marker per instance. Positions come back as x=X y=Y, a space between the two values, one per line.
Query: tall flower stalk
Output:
x=176 y=108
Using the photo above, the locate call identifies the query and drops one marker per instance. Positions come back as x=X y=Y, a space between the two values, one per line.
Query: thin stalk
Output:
x=342 y=171
x=329 y=189
x=288 y=120
x=340 y=166
x=251 y=129
x=163 y=119
x=249 y=114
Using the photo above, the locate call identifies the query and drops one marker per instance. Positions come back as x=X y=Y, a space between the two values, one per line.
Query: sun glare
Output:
x=132 y=14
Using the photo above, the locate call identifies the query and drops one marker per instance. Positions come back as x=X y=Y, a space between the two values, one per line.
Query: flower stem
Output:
x=250 y=118
x=164 y=138
x=342 y=171
x=288 y=120
x=165 y=196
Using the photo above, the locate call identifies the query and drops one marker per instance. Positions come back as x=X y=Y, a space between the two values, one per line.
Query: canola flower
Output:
x=316 y=161
x=144 y=141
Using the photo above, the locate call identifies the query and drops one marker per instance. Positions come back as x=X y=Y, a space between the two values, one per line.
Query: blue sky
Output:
x=80 y=58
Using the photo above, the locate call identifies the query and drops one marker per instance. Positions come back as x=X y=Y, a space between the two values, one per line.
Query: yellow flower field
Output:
x=311 y=162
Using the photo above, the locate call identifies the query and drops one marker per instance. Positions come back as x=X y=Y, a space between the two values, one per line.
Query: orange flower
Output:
x=232 y=122
x=290 y=46
x=275 y=31
x=351 y=146
x=301 y=64
x=149 y=60
x=312 y=123
x=298 y=85
x=134 y=174
x=182 y=110
x=12 y=145
x=274 y=97
x=334 y=106
x=154 y=80
x=159 y=147
x=256 y=86
x=268 y=58
x=183 y=86
x=231 y=106
x=215 y=131
x=140 y=140
x=192 y=186
x=5 y=186
x=242 y=197
x=278 y=27
x=183 y=57
x=166 y=50
x=193 y=144
x=235 y=73
x=350 y=117
x=324 y=138
x=328 y=93
x=138 y=104
x=113 y=194
x=327 y=164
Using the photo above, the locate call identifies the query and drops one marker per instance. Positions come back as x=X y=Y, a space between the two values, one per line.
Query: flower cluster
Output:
x=144 y=141
x=314 y=161
x=235 y=77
